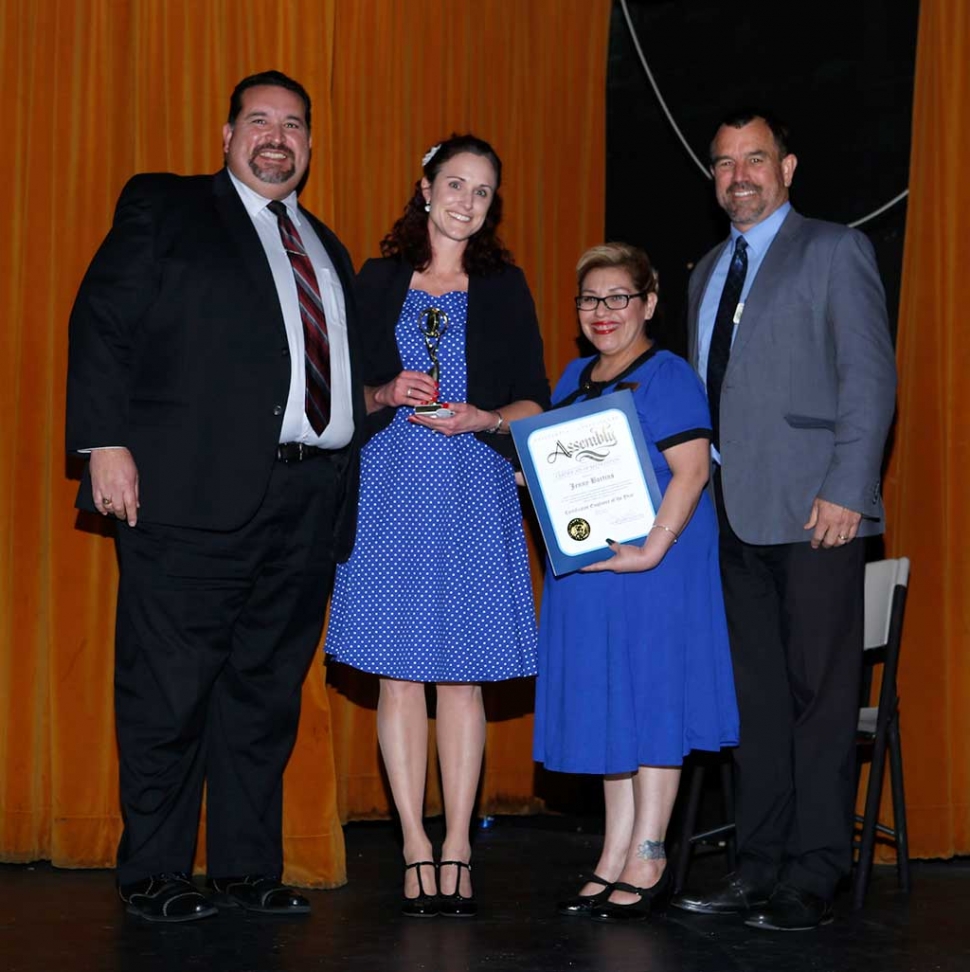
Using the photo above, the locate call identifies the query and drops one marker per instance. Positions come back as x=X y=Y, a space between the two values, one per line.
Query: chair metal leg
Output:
x=899 y=805
x=688 y=825
x=727 y=785
x=870 y=819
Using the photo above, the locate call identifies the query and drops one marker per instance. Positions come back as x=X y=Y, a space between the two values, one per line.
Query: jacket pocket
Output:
x=809 y=422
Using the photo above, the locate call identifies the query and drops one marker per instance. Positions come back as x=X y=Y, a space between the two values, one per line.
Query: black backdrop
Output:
x=839 y=72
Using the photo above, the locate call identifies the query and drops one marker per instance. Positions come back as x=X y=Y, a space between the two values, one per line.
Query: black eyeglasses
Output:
x=587 y=302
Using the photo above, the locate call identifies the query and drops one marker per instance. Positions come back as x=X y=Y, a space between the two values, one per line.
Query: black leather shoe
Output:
x=735 y=895
x=579 y=904
x=256 y=892
x=424 y=905
x=166 y=897
x=791 y=909
x=455 y=905
x=651 y=900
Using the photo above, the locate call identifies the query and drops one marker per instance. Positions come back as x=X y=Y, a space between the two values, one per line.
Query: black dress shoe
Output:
x=735 y=895
x=256 y=892
x=579 y=904
x=791 y=909
x=651 y=900
x=166 y=897
x=424 y=905
x=455 y=905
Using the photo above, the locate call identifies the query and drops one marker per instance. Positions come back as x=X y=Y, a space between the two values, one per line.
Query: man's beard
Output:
x=750 y=207
x=272 y=176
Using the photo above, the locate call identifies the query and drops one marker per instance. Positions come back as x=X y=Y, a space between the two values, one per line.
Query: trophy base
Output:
x=434 y=410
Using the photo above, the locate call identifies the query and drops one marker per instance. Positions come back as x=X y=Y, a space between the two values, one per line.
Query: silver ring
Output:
x=409 y=392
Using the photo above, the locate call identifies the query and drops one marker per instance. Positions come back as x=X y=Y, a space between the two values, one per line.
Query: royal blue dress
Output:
x=438 y=586
x=635 y=669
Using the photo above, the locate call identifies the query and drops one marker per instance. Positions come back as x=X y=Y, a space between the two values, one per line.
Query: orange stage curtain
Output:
x=99 y=89
x=926 y=488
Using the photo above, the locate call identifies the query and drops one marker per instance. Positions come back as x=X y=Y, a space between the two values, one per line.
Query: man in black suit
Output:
x=788 y=330
x=211 y=383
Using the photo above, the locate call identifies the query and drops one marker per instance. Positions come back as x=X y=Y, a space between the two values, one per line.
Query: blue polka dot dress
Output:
x=438 y=586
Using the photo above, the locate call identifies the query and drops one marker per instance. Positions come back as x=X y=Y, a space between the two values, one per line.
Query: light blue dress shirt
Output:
x=759 y=239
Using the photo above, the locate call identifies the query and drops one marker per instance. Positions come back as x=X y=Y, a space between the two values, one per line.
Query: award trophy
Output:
x=432 y=325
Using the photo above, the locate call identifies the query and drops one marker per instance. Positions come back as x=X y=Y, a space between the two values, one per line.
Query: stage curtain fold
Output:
x=97 y=91
x=531 y=79
x=100 y=89
x=926 y=491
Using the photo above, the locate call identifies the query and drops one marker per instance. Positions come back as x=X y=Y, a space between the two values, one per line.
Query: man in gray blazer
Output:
x=788 y=330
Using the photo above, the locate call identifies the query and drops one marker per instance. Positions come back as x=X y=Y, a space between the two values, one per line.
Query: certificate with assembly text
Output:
x=588 y=472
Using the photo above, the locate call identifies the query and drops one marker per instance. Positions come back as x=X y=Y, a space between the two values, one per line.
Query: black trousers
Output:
x=215 y=634
x=795 y=620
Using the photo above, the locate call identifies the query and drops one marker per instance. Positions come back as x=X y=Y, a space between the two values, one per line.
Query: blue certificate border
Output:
x=521 y=429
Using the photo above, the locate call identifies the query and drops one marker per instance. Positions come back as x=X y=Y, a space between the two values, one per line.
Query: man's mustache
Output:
x=275 y=147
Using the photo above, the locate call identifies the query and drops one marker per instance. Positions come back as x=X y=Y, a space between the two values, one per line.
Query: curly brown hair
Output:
x=409 y=239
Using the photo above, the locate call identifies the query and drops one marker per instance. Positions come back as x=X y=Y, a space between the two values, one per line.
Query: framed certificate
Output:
x=588 y=472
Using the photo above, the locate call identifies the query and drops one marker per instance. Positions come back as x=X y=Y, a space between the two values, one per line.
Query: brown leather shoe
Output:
x=734 y=895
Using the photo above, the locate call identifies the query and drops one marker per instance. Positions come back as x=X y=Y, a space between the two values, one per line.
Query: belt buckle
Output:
x=290 y=452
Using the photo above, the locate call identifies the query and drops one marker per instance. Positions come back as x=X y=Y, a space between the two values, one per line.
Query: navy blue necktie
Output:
x=720 y=351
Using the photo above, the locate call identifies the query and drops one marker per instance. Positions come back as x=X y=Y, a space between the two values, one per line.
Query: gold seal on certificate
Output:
x=589 y=474
x=578 y=528
x=432 y=325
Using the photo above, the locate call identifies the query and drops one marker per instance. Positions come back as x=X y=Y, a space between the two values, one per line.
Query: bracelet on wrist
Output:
x=666 y=529
x=498 y=425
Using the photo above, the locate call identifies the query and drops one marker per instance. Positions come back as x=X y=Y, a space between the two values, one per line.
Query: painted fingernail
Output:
x=608 y=540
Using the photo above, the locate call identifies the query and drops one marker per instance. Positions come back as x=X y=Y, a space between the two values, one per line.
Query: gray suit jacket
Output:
x=810 y=387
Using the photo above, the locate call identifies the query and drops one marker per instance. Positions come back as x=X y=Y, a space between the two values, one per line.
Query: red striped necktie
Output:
x=315 y=340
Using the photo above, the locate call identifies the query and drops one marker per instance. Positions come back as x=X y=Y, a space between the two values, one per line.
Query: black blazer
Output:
x=503 y=347
x=178 y=351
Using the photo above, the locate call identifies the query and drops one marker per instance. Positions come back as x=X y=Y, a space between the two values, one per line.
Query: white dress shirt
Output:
x=296 y=426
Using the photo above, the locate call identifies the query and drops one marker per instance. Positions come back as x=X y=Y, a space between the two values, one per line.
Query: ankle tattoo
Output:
x=652 y=850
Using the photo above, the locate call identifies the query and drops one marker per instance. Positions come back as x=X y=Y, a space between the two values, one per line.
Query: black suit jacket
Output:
x=178 y=351
x=503 y=347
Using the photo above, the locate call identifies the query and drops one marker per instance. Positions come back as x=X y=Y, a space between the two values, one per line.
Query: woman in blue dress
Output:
x=438 y=588
x=634 y=665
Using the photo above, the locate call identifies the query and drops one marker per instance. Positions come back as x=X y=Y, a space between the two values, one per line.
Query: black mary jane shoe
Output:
x=424 y=905
x=259 y=893
x=165 y=897
x=651 y=900
x=580 y=905
x=456 y=905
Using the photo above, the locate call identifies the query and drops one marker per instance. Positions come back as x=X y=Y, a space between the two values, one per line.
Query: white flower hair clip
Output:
x=430 y=154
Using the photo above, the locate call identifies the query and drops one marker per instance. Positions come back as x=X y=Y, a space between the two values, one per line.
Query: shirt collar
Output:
x=760 y=235
x=255 y=203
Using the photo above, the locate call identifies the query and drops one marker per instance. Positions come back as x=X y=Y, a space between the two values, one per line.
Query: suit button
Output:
x=286 y=352
x=277 y=409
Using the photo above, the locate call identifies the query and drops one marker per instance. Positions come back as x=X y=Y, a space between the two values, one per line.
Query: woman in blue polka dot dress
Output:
x=438 y=588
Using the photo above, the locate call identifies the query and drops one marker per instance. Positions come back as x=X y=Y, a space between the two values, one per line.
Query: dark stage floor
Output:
x=53 y=920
